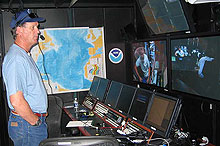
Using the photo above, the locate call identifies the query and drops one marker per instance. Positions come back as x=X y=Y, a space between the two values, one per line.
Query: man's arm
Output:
x=135 y=68
x=22 y=107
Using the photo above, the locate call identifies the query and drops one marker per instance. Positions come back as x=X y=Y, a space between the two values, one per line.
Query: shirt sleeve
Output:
x=138 y=62
x=15 y=76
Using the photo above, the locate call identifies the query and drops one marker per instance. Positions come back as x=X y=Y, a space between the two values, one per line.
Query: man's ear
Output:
x=19 y=30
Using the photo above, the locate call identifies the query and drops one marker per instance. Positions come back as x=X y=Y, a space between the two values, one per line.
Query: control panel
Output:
x=89 y=102
x=108 y=115
x=100 y=110
x=134 y=127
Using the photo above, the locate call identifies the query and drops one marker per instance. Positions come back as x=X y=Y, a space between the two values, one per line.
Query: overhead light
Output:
x=72 y=2
x=201 y=1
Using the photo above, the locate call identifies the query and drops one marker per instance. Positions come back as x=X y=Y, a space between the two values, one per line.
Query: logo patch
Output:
x=115 y=55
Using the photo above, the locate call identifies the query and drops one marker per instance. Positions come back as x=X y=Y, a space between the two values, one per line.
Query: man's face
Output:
x=30 y=32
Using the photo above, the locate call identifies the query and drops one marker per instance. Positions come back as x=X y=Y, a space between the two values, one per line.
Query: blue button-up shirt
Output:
x=20 y=73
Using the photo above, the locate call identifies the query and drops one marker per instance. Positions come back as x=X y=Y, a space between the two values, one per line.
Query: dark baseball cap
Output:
x=25 y=16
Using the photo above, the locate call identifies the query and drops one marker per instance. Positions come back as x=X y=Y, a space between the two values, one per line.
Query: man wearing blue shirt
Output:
x=26 y=94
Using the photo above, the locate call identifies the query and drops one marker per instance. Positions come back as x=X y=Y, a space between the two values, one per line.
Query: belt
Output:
x=38 y=114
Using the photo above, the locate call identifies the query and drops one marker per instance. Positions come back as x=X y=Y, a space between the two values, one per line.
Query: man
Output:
x=201 y=64
x=26 y=94
x=144 y=63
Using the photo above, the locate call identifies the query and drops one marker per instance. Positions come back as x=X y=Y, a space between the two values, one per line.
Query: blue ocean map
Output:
x=67 y=60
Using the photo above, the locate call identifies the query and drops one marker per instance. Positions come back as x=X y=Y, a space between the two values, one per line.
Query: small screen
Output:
x=161 y=114
x=102 y=89
x=195 y=65
x=113 y=93
x=94 y=86
x=164 y=16
x=125 y=98
x=140 y=104
x=150 y=62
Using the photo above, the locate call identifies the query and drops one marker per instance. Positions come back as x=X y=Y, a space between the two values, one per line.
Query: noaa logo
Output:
x=115 y=55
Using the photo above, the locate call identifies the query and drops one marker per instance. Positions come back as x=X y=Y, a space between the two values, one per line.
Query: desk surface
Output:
x=91 y=131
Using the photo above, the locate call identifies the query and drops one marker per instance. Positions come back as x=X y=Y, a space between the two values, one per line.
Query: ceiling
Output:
x=4 y=4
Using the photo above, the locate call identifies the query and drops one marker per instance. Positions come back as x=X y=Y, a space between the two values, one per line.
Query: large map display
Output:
x=72 y=57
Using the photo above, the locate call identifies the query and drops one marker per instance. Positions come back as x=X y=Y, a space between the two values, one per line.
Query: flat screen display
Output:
x=113 y=93
x=163 y=114
x=102 y=89
x=125 y=98
x=164 y=16
x=94 y=86
x=150 y=62
x=140 y=104
x=195 y=65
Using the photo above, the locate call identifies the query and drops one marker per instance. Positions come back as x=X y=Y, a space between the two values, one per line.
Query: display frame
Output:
x=116 y=98
x=161 y=63
x=144 y=106
x=90 y=92
x=120 y=105
x=185 y=11
x=174 y=72
x=173 y=117
x=102 y=93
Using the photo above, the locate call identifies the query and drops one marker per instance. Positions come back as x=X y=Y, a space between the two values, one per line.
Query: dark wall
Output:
x=3 y=110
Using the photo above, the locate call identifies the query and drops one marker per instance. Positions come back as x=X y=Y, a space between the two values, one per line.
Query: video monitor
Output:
x=125 y=98
x=102 y=89
x=94 y=86
x=113 y=93
x=164 y=16
x=195 y=64
x=163 y=113
x=149 y=62
x=140 y=105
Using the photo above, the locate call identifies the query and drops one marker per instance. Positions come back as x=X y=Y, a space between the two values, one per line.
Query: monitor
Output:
x=195 y=63
x=163 y=114
x=102 y=89
x=125 y=98
x=80 y=141
x=149 y=62
x=140 y=104
x=94 y=86
x=164 y=16
x=113 y=93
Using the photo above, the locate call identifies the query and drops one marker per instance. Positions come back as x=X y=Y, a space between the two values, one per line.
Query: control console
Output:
x=109 y=115
x=133 y=127
x=89 y=102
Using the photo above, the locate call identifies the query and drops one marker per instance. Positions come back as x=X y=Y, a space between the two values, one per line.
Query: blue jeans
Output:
x=24 y=134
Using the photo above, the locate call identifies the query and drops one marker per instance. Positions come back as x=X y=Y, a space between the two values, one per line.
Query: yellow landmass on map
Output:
x=98 y=43
x=48 y=40
x=61 y=89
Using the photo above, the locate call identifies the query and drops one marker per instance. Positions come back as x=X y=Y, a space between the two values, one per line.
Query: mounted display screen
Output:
x=163 y=113
x=195 y=65
x=140 y=104
x=164 y=16
x=150 y=62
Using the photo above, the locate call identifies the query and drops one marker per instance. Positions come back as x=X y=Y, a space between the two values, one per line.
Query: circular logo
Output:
x=115 y=55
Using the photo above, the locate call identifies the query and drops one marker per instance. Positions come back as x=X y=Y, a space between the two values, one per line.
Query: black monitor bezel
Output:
x=174 y=115
x=148 y=105
x=96 y=87
x=188 y=16
x=132 y=98
x=131 y=70
x=113 y=106
x=106 y=89
x=184 y=36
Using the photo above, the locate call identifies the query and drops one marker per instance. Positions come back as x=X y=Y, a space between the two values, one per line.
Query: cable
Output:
x=158 y=139
x=45 y=71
